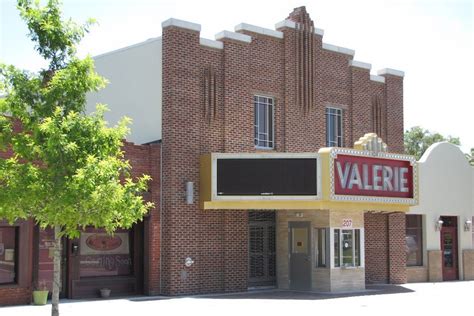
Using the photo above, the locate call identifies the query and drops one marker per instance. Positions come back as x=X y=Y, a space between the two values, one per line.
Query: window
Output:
x=263 y=108
x=105 y=255
x=321 y=243
x=8 y=255
x=333 y=127
x=413 y=240
x=347 y=248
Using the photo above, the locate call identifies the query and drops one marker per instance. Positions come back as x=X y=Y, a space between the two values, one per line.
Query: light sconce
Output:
x=467 y=225
x=188 y=262
x=438 y=224
x=189 y=192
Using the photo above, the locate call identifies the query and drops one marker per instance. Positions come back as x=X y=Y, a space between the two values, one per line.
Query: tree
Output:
x=417 y=140
x=67 y=170
x=470 y=157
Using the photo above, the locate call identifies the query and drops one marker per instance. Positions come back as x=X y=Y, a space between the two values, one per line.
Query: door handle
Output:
x=75 y=249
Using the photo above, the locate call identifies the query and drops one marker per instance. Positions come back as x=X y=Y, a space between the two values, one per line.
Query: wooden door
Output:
x=449 y=252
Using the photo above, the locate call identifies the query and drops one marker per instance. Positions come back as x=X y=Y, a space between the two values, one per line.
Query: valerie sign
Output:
x=362 y=175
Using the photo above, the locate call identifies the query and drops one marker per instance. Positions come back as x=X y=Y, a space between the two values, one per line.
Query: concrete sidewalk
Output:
x=409 y=299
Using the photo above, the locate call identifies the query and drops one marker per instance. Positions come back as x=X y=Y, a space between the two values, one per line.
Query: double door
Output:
x=262 y=249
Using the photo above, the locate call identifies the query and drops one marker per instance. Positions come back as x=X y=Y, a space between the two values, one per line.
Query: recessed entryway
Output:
x=262 y=249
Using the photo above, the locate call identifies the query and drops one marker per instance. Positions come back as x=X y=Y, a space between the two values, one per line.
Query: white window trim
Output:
x=361 y=250
x=273 y=121
x=327 y=246
x=341 y=115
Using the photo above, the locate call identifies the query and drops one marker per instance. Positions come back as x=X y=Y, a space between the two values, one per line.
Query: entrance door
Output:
x=300 y=255
x=64 y=268
x=262 y=263
x=449 y=247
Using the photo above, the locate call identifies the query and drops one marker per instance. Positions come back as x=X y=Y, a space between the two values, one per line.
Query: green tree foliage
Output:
x=417 y=140
x=470 y=157
x=67 y=170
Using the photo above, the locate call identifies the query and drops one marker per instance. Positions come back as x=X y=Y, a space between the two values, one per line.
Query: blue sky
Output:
x=430 y=40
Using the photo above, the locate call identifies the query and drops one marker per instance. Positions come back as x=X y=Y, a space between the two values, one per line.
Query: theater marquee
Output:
x=363 y=178
x=372 y=177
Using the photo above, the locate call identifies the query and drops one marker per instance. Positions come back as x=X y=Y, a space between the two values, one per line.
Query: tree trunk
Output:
x=56 y=272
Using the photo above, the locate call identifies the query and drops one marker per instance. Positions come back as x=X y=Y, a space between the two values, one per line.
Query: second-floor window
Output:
x=263 y=111
x=333 y=127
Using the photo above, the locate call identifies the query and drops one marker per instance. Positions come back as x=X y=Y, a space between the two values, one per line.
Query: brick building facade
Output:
x=254 y=62
x=30 y=266
x=206 y=101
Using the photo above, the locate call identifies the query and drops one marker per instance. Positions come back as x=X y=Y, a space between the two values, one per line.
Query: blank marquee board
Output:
x=267 y=177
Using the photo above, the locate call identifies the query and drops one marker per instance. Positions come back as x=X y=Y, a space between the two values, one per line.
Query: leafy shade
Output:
x=470 y=157
x=55 y=39
x=64 y=168
x=417 y=140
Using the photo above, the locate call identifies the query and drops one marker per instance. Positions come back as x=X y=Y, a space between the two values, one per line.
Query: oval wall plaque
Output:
x=102 y=242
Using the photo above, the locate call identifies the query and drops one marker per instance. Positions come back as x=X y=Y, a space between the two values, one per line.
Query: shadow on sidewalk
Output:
x=276 y=294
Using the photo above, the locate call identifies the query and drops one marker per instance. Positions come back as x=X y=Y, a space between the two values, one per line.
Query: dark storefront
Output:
x=93 y=262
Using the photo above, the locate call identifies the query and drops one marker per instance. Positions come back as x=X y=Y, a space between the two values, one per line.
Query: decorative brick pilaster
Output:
x=396 y=248
x=376 y=252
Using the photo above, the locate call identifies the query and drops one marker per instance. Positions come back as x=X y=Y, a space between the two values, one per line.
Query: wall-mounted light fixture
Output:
x=188 y=262
x=438 y=224
x=189 y=192
x=467 y=225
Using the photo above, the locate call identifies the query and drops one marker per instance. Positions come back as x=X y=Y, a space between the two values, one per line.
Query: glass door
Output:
x=449 y=248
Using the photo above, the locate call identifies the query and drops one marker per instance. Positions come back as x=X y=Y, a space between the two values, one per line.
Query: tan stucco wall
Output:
x=322 y=279
x=468 y=263
x=435 y=272
x=417 y=274
x=446 y=186
x=348 y=279
x=134 y=90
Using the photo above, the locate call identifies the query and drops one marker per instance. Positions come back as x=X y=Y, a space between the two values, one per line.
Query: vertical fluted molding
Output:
x=210 y=94
x=379 y=118
x=301 y=67
x=297 y=68
x=206 y=93
x=214 y=94
x=305 y=46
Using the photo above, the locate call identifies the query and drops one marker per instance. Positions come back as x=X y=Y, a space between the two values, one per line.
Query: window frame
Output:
x=271 y=140
x=339 y=114
x=337 y=257
x=419 y=230
x=16 y=257
x=325 y=246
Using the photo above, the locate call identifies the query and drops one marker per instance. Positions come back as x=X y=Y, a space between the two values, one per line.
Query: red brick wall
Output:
x=385 y=257
x=15 y=295
x=145 y=159
x=217 y=240
x=394 y=102
x=397 y=248
x=376 y=248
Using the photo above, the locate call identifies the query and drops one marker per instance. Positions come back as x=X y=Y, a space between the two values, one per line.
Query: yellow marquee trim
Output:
x=301 y=205
x=326 y=199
